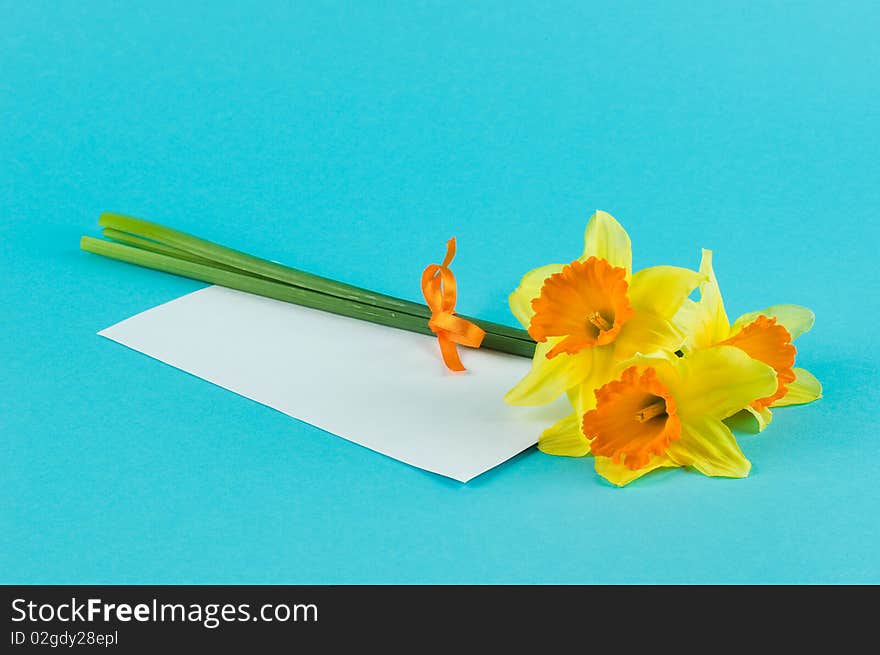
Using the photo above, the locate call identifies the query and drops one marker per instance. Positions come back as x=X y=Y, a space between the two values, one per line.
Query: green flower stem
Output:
x=153 y=246
x=288 y=293
x=230 y=259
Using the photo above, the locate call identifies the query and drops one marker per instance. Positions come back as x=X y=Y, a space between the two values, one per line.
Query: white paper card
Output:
x=383 y=388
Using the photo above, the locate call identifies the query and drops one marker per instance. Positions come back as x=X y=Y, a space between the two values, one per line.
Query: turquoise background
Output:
x=351 y=140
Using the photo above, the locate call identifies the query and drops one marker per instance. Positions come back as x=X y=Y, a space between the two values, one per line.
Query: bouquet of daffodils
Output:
x=650 y=374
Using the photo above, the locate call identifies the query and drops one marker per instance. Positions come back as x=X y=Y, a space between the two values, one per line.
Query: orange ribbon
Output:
x=438 y=287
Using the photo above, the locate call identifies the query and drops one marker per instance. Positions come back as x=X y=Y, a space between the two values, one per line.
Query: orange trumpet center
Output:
x=634 y=419
x=763 y=339
x=586 y=303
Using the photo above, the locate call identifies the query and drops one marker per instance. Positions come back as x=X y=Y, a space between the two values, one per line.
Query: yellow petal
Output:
x=719 y=381
x=621 y=475
x=762 y=415
x=743 y=421
x=603 y=368
x=646 y=333
x=661 y=290
x=707 y=445
x=564 y=438
x=663 y=361
x=805 y=389
x=550 y=378
x=606 y=239
x=710 y=298
x=794 y=318
x=691 y=320
x=705 y=323
x=528 y=289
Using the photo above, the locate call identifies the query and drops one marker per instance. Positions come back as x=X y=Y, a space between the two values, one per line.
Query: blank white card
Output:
x=379 y=387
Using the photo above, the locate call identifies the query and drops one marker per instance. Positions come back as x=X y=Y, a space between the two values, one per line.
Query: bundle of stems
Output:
x=155 y=246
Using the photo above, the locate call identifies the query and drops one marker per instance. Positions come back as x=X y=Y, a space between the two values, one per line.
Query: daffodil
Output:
x=589 y=316
x=766 y=335
x=667 y=411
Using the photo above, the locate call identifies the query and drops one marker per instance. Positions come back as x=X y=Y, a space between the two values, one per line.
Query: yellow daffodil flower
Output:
x=588 y=317
x=593 y=313
x=765 y=335
x=666 y=411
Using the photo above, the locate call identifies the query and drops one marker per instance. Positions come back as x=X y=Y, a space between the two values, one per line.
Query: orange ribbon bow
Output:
x=438 y=287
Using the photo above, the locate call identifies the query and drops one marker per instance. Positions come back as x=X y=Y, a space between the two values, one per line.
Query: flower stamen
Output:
x=599 y=321
x=651 y=411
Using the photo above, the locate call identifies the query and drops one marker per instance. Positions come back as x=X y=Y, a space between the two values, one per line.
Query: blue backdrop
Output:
x=351 y=140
